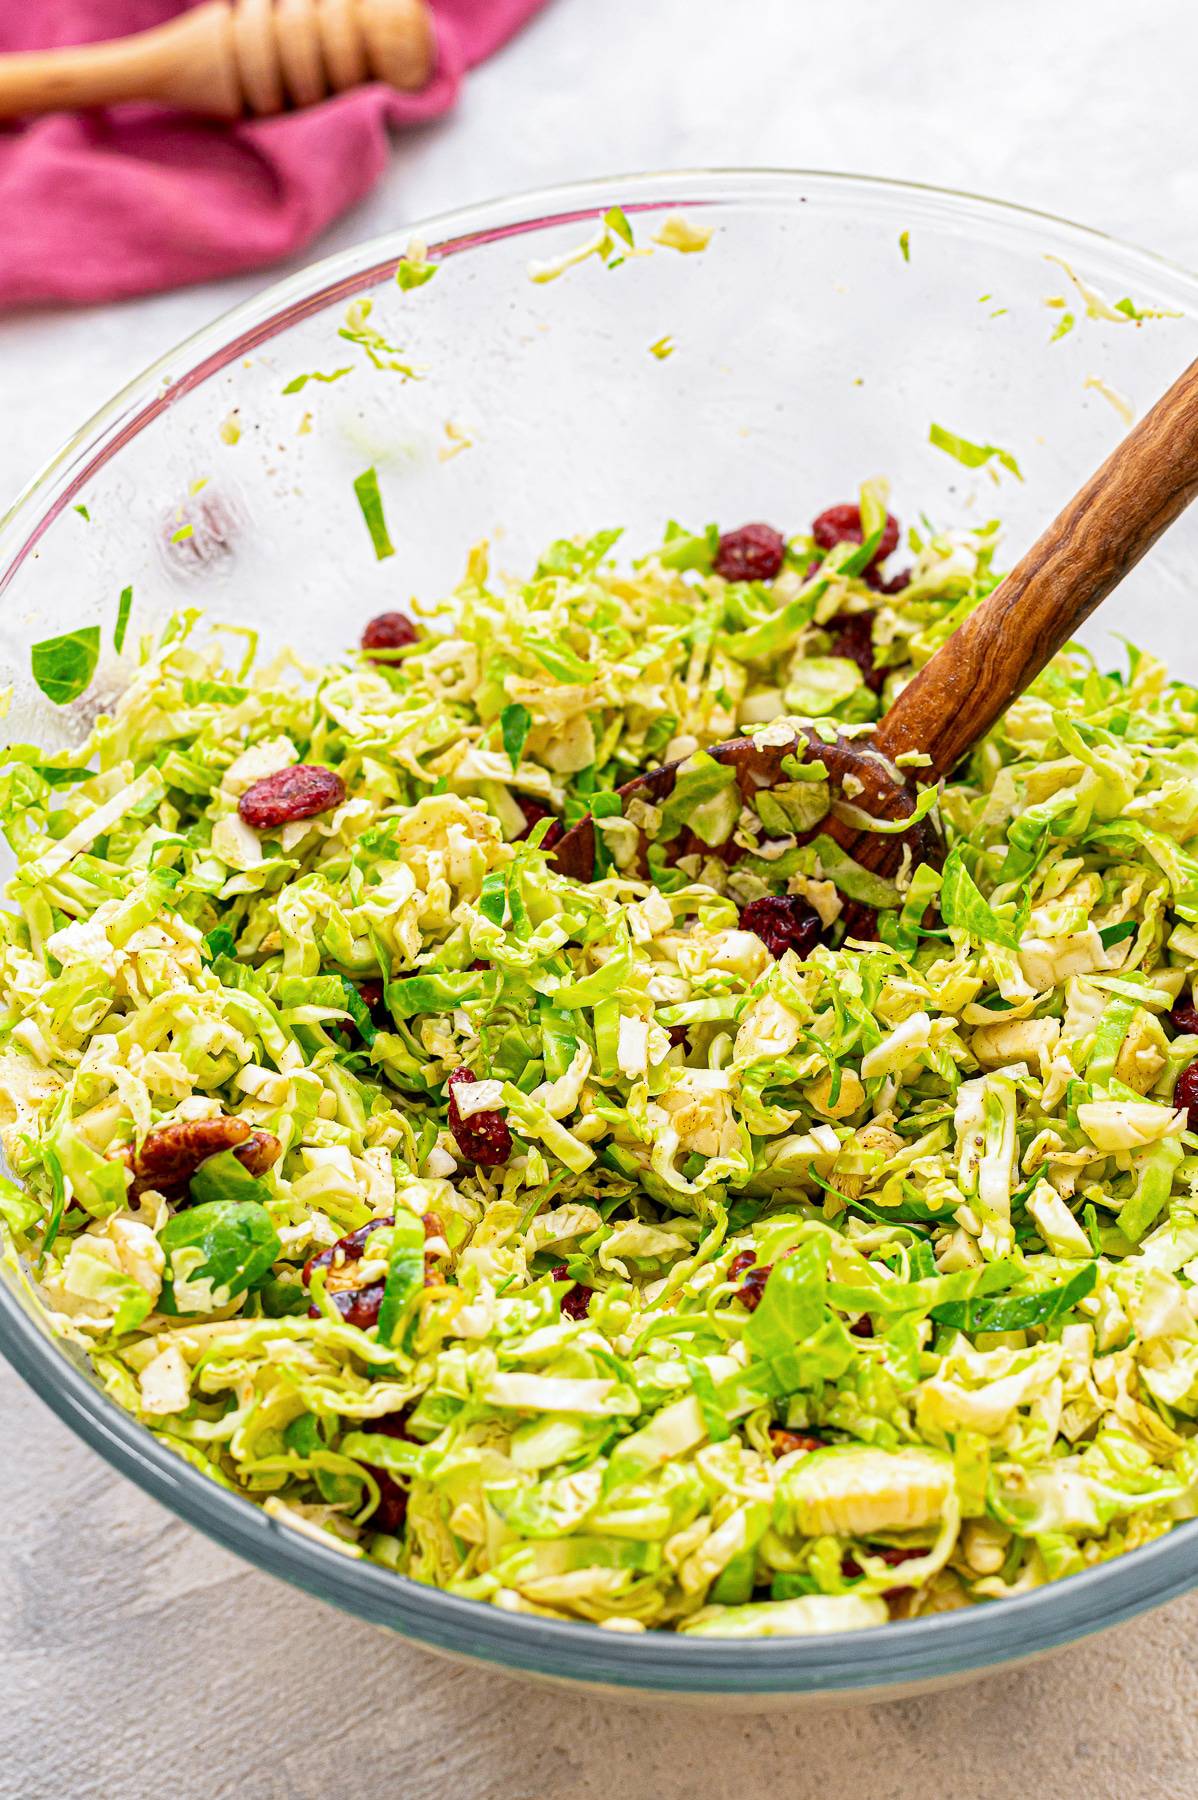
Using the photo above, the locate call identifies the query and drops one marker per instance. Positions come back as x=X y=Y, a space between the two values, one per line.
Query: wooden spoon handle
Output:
x=1087 y=550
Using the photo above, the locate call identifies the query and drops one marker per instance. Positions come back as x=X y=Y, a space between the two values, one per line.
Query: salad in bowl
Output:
x=734 y=1243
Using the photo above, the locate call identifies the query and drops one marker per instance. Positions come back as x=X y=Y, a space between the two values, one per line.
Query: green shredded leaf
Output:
x=412 y=272
x=124 y=607
x=1116 y=934
x=1022 y=1312
x=63 y=666
x=616 y=221
x=405 y=1273
x=1139 y=313
x=299 y=382
x=514 y=723
x=366 y=487
x=368 y=338
x=219 y=942
x=223 y=1177
x=963 y=905
x=972 y=456
x=234 y=1241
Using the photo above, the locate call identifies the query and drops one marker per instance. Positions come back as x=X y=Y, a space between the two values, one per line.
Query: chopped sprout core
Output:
x=755 y=1248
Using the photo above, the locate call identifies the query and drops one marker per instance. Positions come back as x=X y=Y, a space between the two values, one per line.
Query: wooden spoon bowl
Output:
x=876 y=787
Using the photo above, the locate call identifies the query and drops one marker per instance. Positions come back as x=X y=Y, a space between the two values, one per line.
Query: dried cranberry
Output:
x=534 y=812
x=893 y=1555
x=373 y=995
x=859 y=921
x=576 y=1300
x=202 y=533
x=895 y=584
x=576 y=1304
x=484 y=1136
x=753 y=553
x=743 y=1260
x=289 y=794
x=1184 y=1018
x=1185 y=1094
x=392 y=1508
x=677 y=1036
x=783 y=1441
x=887 y=1553
x=862 y=1327
x=853 y=638
x=753 y=1287
x=390 y=1425
x=347 y=1249
x=389 y=631
x=370 y=993
x=842 y=525
x=783 y=922
x=357 y=1306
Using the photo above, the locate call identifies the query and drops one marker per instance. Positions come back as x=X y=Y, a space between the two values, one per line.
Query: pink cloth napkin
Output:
x=104 y=205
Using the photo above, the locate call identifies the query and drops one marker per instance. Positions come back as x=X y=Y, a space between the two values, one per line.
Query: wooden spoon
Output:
x=1142 y=487
x=228 y=57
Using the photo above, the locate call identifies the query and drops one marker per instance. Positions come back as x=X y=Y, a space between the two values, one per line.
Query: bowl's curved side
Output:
x=884 y=1663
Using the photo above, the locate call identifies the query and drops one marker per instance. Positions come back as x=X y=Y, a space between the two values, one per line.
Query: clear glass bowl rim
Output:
x=891 y=1657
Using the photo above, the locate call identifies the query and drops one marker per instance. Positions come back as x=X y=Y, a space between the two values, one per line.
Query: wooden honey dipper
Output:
x=229 y=57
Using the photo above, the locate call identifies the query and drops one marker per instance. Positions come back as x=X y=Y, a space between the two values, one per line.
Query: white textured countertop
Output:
x=138 y=1659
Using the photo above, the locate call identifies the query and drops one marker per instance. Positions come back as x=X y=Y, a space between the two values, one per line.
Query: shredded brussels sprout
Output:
x=736 y=1293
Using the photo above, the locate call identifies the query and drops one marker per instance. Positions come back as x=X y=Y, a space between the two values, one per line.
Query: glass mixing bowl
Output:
x=809 y=352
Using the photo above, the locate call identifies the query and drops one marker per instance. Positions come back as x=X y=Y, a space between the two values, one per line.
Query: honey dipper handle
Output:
x=189 y=56
x=226 y=57
x=1141 y=488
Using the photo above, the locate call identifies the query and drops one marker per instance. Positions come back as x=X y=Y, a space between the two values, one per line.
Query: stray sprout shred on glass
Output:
x=735 y=1243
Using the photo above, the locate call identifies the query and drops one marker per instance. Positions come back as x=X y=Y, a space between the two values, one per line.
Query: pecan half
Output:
x=171 y=1154
x=433 y=1228
x=261 y=1151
